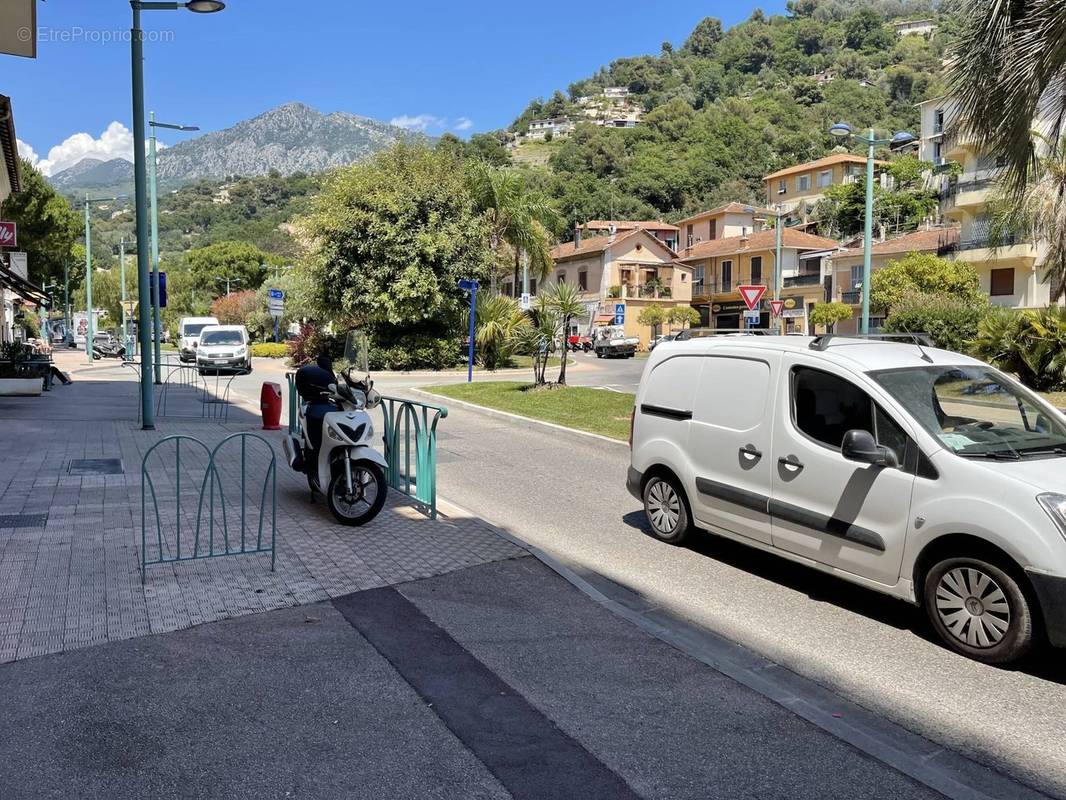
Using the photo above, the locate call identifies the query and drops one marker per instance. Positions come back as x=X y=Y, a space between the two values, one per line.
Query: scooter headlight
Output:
x=354 y=434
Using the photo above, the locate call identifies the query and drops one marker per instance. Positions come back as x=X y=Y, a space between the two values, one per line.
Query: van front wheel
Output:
x=666 y=510
x=979 y=610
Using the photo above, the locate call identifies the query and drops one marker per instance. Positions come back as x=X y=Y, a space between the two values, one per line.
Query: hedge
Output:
x=270 y=350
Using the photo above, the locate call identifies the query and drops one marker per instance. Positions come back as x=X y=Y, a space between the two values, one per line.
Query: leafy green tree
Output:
x=683 y=317
x=1029 y=344
x=390 y=239
x=827 y=315
x=497 y=327
x=47 y=226
x=564 y=300
x=927 y=274
x=241 y=262
x=704 y=39
x=537 y=339
x=107 y=290
x=653 y=317
x=952 y=322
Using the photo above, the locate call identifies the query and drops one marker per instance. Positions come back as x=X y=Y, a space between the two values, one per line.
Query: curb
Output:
x=525 y=422
x=945 y=771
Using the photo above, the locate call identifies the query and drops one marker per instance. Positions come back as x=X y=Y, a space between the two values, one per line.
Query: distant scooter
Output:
x=107 y=346
x=333 y=448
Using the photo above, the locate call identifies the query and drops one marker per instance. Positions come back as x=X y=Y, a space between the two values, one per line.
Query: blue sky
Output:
x=465 y=66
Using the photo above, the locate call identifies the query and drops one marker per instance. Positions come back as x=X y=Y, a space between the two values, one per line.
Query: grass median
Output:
x=593 y=410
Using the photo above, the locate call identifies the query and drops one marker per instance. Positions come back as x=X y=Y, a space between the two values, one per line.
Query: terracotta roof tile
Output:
x=626 y=224
x=763 y=240
x=828 y=161
x=729 y=208
x=597 y=244
x=922 y=241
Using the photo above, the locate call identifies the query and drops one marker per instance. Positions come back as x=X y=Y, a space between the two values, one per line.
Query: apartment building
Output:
x=731 y=219
x=632 y=269
x=720 y=265
x=556 y=126
x=797 y=189
x=846 y=265
x=661 y=230
x=1010 y=268
x=915 y=27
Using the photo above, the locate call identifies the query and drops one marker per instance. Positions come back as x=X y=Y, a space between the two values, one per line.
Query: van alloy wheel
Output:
x=972 y=607
x=666 y=510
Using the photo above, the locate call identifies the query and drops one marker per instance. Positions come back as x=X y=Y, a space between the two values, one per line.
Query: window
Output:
x=714 y=229
x=688 y=232
x=743 y=407
x=583 y=280
x=825 y=407
x=1002 y=282
x=756 y=269
x=507 y=290
x=937 y=150
x=803 y=183
x=561 y=277
x=532 y=286
x=697 y=279
x=856 y=276
x=781 y=188
x=938 y=121
x=825 y=177
x=727 y=276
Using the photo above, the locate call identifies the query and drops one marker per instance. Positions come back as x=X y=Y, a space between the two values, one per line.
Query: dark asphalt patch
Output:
x=518 y=744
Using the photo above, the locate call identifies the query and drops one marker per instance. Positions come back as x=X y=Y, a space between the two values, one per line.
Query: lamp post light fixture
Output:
x=227 y=281
x=844 y=132
x=140 y=181
x=154 y=203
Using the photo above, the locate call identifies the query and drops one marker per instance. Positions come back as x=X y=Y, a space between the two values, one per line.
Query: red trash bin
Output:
x=270 y=405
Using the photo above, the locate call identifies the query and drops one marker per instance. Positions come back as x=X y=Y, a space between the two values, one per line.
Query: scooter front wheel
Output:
x=366 y=499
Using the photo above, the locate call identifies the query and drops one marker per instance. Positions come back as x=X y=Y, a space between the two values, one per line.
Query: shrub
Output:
x=312 y=340
x=829 y=314
x=950 y=320
x=1029 y=344
x=270 y=350
x=416 y=352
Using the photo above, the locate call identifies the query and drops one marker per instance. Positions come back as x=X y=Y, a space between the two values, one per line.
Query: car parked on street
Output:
x=224 y=348
x=189 y=329
x=916 y=472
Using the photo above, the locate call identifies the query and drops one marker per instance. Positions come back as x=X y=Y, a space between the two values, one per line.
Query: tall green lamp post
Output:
x=140 y=181
x=122 y=283
x=89 y=272
x=844 y=132
x=154 y=199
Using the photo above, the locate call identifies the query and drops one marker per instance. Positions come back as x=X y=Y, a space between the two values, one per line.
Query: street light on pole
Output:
x=89 y=272
x=140 y=181
x=154 y=201
x=227 y=281
x=843 y=131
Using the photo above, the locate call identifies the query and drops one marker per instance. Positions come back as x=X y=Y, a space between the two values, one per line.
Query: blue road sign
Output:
x=162 y=290
x=275 y=294
x=619 y=313
x=470 y=285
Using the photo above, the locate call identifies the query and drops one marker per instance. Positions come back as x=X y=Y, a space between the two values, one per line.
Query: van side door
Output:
x=843 y=513
x=730 y=441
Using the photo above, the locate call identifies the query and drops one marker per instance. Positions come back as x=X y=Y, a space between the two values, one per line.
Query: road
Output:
x=567 y=497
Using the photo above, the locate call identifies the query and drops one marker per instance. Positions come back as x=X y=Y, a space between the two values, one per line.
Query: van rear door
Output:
x=730 y=438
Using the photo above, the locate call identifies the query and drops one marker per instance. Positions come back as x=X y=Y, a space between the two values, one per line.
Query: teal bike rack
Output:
x=410 y=440
x=211 y=499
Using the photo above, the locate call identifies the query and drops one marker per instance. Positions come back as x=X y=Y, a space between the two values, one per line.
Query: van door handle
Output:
x=750 y=450
x=791 y=462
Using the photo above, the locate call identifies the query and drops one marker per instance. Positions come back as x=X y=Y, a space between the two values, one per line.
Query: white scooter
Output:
x=344 y=466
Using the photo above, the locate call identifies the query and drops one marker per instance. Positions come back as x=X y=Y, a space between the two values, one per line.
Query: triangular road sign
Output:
x=751 y=295
x=776 y=307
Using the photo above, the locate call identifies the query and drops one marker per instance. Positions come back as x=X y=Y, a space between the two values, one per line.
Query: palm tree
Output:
x=497 y=327
x=1006 y=68
x=516 y=215
x=564 y=299
x=1037 y=209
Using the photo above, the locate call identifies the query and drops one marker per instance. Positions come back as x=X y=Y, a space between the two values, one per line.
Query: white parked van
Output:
x=189 y=335
x=916 y=472
x=224 y=348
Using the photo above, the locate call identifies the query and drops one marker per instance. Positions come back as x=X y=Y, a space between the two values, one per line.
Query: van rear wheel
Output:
x=979 y=610
x=666 y=510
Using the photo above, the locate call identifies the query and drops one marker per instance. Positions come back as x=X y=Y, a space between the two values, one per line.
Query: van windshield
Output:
x=222 y=337
x=193 y=328
x=976 y=411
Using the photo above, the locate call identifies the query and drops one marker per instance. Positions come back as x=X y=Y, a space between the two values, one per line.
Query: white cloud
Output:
x=419 y=122
x=27 y=152
x=464 y=124
x=115 y=142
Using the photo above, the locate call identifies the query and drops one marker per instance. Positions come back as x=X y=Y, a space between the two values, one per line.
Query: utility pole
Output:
x=227 y=281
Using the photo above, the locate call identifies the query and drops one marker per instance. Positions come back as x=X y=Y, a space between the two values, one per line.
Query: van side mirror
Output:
x=859 y=445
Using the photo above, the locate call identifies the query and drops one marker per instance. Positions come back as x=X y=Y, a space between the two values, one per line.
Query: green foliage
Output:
x=47 y=226
x=416 y=351
x=704 y=39
x=1029 y=344
x=952 y=322
x=826 y=315
x=392 y=237
x=241 y=262
x=926 y=274
x=270 y=350
x=564 y=300
x=496 y=328
x=235 y=308
x=107 y=290
x=652 y=317
x=683 y=317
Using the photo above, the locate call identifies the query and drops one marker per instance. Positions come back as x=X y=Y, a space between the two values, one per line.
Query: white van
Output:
x=920 y=473
x=224 y=348
x=189 y=335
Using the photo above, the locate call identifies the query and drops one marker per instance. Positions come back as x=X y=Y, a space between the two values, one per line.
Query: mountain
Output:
x=93 y=173
x=291 y=138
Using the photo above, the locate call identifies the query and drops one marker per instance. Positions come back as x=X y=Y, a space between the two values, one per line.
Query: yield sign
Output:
x=751 y=295
x=776 y=307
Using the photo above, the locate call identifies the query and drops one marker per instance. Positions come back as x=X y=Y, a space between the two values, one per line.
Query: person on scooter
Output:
x=311 y=381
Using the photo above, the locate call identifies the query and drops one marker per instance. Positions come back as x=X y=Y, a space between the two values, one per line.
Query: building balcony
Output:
x=852 y=297
x=980 y=249
x=957 y=144
x=810 y=279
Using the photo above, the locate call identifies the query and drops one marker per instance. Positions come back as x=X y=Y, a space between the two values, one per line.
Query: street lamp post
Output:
x=66 y=298
x=140 y=181
x=843 y=131
x=89 y=273
x=227 y=281
x=122 y=282
x=154 y=200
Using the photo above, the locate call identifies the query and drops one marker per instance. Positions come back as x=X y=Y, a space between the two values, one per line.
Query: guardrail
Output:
x=214 y=402
x=409 y=417
x=168 y=546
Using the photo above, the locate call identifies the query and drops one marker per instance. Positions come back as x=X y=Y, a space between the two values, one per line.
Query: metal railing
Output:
x=407 y=423
x=852 y=298
x=168 y=546
x=812 y=279
x=212 y=402
x=979 y=241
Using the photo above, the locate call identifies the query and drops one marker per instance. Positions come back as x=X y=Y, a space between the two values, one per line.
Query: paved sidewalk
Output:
x=69 y=543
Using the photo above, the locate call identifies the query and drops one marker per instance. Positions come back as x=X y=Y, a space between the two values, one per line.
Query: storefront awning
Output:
x=23 y=288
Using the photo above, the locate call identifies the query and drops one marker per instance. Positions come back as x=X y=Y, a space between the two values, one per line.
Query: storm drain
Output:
x=95 y=466
x=23 y=520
